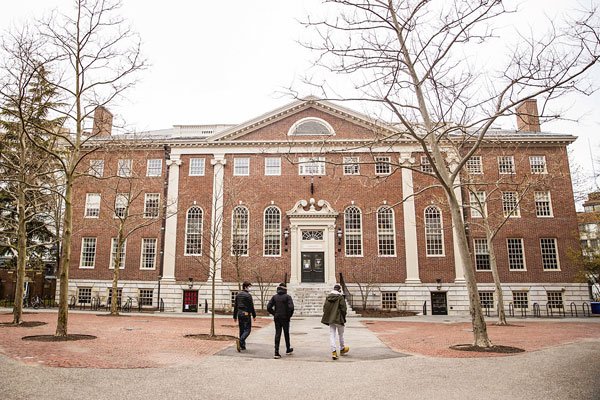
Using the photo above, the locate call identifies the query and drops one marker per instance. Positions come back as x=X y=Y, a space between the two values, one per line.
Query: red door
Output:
x=190 y=301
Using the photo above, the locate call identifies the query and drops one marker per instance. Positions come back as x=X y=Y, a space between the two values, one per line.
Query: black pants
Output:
x=279 y=325
x=245 y=324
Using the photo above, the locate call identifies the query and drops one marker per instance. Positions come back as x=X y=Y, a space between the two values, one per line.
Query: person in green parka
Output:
x=334 y=315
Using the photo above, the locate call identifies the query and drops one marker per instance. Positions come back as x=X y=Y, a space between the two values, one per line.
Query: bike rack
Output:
x=586 y=309
x=425 y=308
x=573 y=306
x=536 y=310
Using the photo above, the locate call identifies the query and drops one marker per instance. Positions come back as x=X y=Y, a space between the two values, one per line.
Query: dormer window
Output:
x=311 y=127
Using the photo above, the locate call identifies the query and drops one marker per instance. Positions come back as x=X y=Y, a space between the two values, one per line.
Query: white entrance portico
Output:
x=312 y=235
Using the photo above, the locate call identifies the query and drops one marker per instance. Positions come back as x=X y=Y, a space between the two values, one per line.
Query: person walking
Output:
x=334 y=315
x=243 y=309
x=281 y=307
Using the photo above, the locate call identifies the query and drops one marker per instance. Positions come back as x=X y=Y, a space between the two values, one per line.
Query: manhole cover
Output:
x=298 y=333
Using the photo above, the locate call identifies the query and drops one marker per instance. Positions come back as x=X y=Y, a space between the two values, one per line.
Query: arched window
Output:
x=239 y=231
x=353 y=231
x=193 y=231
x=272 y=231
x=434 y=234
x=311 y=126
x=386 y=235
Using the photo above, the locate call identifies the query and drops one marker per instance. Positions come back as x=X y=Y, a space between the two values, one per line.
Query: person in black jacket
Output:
x=242 y=310
x=281 y=307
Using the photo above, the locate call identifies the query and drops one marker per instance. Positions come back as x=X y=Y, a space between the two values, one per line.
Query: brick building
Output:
x=313 y=190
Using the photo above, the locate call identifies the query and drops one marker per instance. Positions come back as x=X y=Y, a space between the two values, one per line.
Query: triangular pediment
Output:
x=312 y=209
x=277 y=125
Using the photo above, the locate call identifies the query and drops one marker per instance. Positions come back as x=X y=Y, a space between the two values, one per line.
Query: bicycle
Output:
x=37 y=302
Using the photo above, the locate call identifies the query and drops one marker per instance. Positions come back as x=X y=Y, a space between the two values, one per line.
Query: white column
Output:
x=294 y=254
x=216 y=223
x=458 y=266
x=170 y=245
x=410 y=221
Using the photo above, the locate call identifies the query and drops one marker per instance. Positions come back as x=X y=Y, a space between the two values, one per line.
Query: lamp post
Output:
x=438 y=281
x=339 y=238
x=286 y=235
x=191 y=282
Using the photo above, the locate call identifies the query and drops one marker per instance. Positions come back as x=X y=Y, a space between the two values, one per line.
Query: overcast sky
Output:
x=230 y=61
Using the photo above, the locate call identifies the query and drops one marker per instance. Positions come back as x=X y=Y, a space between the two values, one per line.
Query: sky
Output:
x=230 y=61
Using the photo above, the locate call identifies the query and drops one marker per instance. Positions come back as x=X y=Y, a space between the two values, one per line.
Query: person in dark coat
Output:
x=281 y=307
x=243 y=309
x=334 y=315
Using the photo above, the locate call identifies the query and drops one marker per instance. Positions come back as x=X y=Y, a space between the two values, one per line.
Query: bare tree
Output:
x=367 y=279
x=409 y=58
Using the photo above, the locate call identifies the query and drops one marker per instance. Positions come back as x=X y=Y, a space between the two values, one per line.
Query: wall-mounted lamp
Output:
x=191 y=282
x=339 y=238
x=286 y=235
x=467 y=229
x=438 y=281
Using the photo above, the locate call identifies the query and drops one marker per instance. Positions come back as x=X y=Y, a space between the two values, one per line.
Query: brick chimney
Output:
x=102 y=122
x=528 y=119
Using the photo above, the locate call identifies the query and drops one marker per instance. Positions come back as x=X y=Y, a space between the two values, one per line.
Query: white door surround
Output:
x=312 y=216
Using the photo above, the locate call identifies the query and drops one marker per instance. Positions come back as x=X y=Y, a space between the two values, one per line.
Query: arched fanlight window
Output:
x=434 y=234
x=386 y=235
x=272 y=231
x=193 y=231
x=239 y=231
x=311 y=126
x=353 y=231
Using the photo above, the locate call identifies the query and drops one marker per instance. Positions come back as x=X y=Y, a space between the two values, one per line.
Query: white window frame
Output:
x=145 y=254
x=543 y=201
x=507 y=210
x=193 y=233
x=434 y=231
x=241 y=166
x=242 y=232
x=154 y=167
x=145 y=294
x=506 y=165
x=92 y=205
x=426 y=165
x=351 y=165
x=520 y=298
x=535 y=166
x=474 y=165
x=197 y=166
x=113 y=250
x=124 y=167
x=353 y=236
x=90 y=257
x=476 y=199
x=481 y=248
x=328 y=128
x=386 y=232
x=84 y=293
x=272 y=234
x=96 y=168
x=311 y=166
x=544 y=254
x=522 y=254
x=121 y=203
x=151 y=211
x=272 y=166
x=383 y=165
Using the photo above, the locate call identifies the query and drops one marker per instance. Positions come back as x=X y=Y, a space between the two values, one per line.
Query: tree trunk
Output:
x=212 y=297
x=497 y=284
x=115 y=283
x=63 y=274
x=21 y=258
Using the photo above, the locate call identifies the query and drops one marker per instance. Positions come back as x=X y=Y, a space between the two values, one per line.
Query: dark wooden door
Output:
x=190 y=301
x=313 y=267
x=439 y=305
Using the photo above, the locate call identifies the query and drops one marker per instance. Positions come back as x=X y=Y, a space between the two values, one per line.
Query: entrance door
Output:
x=438 y=303
x=190 y=301
x=313 y=267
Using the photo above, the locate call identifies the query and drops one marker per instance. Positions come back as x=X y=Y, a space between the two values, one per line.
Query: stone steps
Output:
x=308 y=301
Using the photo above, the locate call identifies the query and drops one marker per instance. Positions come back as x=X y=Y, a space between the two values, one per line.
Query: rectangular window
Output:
x=425 y=165
x=84 y=295
x=113 y=253
x=383 y=166
x=520 y=299
x=478 y=204
x=196 y=166
x=506 y=164
x=549 y=254
x=543 y=205
x=474 y=165
x=151 y=205
x=555 y=299
x=386 y=235
x=538 y=164
x=148 y=253
x=351 y=166
x=88 y=252
x=311 y=166
x=145 y=297
x=389 y=300
x=92 y=205
x=273 y=166
x=96 y=168
x=486 y=298
x=510 y=205
x=482 y=255
x=124 y=168
x=233 y=295
x=241 y=166
x=119 y=296
x=121 y=202
x=154 y=167
x=516 y=257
